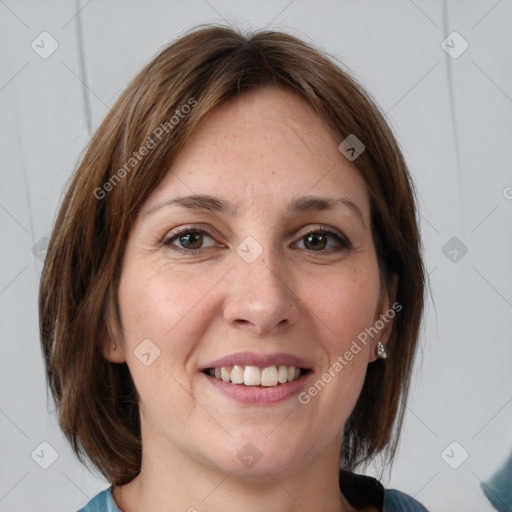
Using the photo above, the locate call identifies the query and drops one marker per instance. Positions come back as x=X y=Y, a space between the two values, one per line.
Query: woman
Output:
x=232 y=295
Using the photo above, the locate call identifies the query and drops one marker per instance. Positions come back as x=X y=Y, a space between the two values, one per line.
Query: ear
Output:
x=386 y=312
x=112 y=346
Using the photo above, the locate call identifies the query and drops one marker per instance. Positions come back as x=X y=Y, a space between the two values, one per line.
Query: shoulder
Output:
x=365 y=492
x=396 y=501
x=102 y=502
x=393 y=500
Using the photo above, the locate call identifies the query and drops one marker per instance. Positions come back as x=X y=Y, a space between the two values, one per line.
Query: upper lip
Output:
x=260 y=360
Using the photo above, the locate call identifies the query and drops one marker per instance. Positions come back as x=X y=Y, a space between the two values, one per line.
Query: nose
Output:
x=260 y=299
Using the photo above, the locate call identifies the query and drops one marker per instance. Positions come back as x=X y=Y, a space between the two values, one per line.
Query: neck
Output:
x=192 y=486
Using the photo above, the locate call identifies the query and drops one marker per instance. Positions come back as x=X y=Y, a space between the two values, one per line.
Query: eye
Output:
x=321 y=240
x=190 y=240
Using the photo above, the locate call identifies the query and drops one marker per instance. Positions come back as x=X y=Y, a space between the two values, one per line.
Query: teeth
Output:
x=269 y=376
x=225 y=374
x=254 y=376
x=283 y=374
x=237 y=375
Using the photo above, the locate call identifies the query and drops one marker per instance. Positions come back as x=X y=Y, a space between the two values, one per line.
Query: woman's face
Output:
x=254 y=255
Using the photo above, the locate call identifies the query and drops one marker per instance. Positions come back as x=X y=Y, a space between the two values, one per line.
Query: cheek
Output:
x=154 y=302
x=161 y=305
x=171 y=307
x=343 y=306
x=345 y=303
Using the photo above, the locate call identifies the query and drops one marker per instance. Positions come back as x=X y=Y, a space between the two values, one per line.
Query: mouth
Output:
x=258 y=379
x=255 y=376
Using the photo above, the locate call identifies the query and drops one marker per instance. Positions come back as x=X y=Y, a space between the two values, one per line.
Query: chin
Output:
x=255 y=459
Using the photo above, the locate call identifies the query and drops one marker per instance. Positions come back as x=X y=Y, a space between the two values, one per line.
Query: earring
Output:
x=381 y=351
x=114 y=346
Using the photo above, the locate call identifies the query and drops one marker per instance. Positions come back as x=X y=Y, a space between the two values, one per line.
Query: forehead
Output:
x=264 y=147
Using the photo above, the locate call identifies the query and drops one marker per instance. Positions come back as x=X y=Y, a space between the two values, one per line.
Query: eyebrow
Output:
x=196 y=202
x=316 y=203
x=300 y=204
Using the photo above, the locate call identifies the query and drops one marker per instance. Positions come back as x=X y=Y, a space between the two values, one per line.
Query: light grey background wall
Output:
x=451 y=108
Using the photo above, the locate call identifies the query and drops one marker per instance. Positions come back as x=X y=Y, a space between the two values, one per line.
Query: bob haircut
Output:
x=128 y=156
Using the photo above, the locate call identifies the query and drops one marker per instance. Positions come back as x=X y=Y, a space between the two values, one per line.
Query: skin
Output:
x=258 y=152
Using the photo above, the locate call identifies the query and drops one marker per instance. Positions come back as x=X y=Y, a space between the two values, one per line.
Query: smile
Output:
x=249 y=375
x=252 y=378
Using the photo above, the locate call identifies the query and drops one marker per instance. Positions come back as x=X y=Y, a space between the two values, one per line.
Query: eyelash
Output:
x=174 y=235
x=324 y=230
x=343 y=242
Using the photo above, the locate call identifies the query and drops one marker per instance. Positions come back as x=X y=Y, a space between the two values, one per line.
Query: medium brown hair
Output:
x=96 y=399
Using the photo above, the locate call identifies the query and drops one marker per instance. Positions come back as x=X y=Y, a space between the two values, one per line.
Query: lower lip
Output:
x=258 y=395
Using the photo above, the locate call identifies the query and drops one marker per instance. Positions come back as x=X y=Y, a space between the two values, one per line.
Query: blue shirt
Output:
x=394 y=501
x=499 y=488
